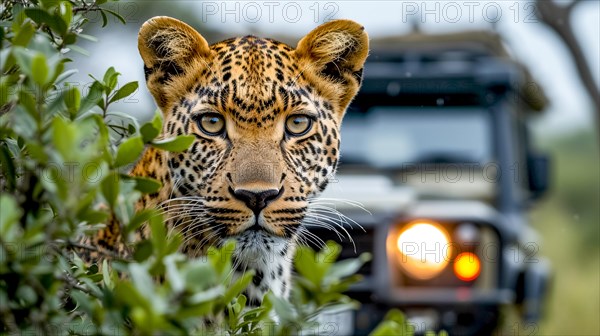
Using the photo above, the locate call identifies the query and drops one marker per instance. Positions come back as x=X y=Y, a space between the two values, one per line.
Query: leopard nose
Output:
x=257 y=200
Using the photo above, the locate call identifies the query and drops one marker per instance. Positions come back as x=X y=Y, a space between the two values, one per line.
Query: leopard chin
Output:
x=270 y=257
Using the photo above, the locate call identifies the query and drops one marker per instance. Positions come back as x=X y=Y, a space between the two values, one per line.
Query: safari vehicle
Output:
x=436 y=148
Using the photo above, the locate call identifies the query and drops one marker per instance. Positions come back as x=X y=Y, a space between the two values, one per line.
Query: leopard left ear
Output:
x=169 y=48
x=337 y=51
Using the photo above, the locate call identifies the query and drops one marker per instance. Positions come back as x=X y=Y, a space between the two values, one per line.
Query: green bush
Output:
x=64 y=154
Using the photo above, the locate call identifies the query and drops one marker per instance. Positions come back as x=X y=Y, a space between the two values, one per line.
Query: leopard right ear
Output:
x=169 y=48
x=336 y=51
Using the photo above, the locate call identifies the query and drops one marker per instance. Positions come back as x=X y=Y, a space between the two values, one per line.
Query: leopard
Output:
x=266 y=121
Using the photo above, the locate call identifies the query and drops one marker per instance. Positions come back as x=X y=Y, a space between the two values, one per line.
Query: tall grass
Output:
x=568 y=220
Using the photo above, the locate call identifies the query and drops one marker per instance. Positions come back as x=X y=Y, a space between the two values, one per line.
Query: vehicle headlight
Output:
x=424 y=249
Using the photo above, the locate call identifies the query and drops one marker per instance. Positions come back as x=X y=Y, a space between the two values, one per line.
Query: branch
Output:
x=558 y=18
x=572 y=4
x=72 y=283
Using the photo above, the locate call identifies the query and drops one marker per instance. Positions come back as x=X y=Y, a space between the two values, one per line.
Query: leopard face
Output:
x=266 y=118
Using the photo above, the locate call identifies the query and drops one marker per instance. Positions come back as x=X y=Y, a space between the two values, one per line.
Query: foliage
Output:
x=64 y=154
x=395 y=323
x=568 y=217
x=575 y=185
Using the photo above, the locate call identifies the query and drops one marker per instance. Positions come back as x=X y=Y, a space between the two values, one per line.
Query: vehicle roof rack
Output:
x=459 y=68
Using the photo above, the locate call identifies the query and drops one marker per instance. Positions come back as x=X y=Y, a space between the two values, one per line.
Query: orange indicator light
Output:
x=467 y=266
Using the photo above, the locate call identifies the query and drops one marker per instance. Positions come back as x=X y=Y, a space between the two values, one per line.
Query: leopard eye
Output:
x=298 y=124
x=211 y=123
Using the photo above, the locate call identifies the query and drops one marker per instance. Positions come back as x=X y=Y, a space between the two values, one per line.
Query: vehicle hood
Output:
x=373 y=193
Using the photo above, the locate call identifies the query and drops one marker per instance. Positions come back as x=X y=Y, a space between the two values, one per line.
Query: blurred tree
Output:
x=558 y=18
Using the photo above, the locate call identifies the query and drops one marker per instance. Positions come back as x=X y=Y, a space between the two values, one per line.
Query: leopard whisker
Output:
x=302 y=232
x=331 y=220
x=314 y=223
x=183 y=210
x=340 y=200
x=332 y=210
x=195 y=234
x=187 y=199
x=207 y=239
x=311 y=220
x=198 y=221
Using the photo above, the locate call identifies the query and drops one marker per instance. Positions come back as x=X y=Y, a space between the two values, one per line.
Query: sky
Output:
x=530 y=42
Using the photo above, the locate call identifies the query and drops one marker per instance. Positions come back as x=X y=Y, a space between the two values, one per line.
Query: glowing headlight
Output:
x=424 y=248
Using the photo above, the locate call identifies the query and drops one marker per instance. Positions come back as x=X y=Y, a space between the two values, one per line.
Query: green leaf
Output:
x=199 y=276
x=7 y=60
x=110 y=78
x=49 y=4
x=23 y=58
x=110 y=188
x=177 y=144
x=4 y=94
x=345 y=268
x=39 y=69
x=91 y=216
x=197 y=310
x=92 y=98
x=147 y=185
x=40 y=17
x=159 y=234
x=93 y=269
x=140 y=218
x=104 y=19
x=106 y=276
x=58 y=69
x=64 y=75
x=63 y=137
x=148 y=132
x=27 y=101
x=73 y=101
x=220 y=258
x=151 y=129
x=9 y=217
x=124 y=91
x=238 y=286
x=173 y=275
x=65 y=10
x=394 y=323
x=79 y=49
x=284 y=309
x=129 y=151
x=329 y=253
x=308 y=266
x=8 y=167
x=24 y=35
x=69 y=38
x=88 y=37
x=143 y=251
x=207 y=295
x=115 y=14
x=141 y=278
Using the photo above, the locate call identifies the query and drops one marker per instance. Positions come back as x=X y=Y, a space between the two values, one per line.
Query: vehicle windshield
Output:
x=394 y=137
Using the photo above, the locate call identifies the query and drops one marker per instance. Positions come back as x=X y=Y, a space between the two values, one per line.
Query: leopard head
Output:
x=266 y=118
